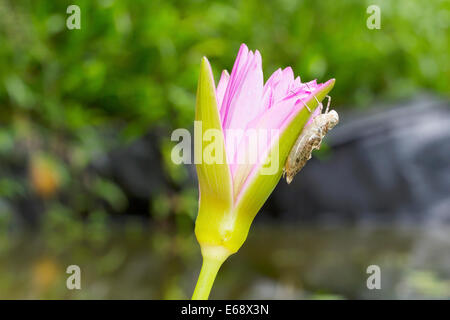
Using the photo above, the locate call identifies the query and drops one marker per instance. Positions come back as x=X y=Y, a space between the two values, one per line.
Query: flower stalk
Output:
x=213 y=258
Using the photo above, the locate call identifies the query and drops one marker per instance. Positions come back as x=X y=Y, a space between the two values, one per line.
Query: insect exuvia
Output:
x=309 y=139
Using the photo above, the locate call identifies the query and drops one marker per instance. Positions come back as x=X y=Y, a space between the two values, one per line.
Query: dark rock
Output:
x=391 y=165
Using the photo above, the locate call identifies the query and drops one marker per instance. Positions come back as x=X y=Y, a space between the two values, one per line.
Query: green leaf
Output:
x=214 y=178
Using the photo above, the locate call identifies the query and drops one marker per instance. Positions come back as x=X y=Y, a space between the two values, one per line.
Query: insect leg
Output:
x=328 y=103
x=305 y=105
x=302 y=102
x=320 y=104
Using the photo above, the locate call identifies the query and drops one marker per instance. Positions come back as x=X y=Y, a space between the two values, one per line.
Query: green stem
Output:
x=212 y=261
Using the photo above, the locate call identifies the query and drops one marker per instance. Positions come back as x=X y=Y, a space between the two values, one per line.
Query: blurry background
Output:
x=85 y=170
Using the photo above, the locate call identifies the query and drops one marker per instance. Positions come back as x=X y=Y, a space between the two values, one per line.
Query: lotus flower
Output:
x=233 y=191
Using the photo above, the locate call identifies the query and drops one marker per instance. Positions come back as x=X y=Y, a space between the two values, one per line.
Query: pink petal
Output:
x=246 y=104
x=242 y=100
x=239 y=64
x=221 y=87
x=283 y=86
x=273 y=80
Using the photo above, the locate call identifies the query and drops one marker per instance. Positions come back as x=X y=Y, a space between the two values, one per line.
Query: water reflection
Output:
x=275 y=263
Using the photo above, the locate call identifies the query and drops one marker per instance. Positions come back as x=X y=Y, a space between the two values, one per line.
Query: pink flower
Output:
x=246 y=103
x=233 y=191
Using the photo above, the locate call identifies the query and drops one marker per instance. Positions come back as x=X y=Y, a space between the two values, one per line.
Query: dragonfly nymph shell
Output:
x=309 y=139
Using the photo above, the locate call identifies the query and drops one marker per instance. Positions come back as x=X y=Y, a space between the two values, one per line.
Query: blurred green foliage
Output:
x=133 y=66
x=135 y=63
x=68 y=97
